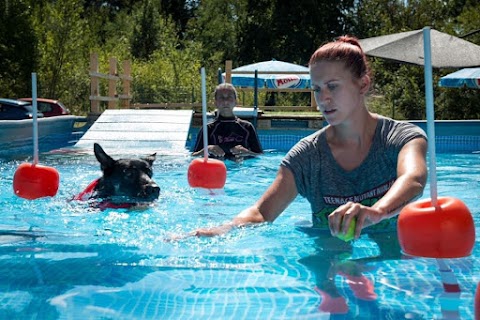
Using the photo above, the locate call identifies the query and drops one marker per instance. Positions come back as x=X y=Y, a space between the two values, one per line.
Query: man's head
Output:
x=225 y=99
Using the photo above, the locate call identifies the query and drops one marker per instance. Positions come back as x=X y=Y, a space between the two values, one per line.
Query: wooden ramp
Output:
x=133 y=129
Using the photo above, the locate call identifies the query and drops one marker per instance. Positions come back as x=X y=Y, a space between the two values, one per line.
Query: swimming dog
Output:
x=125 y=183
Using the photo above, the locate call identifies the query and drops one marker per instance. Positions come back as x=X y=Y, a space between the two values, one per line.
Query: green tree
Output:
x=180 y=12
x=280 y=30
x=146 y=33
x=461 y=103
x=169 y=40
x=62 y=46
x=171 y=74
x=216 y=27
x=402 y=85
x=18 y=49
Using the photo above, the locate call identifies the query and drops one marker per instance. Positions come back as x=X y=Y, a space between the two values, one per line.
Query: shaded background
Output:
x=169 y=40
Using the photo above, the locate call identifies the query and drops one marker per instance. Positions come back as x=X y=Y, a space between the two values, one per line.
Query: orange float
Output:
x=207 y=173
x=32 y=181
x=446 y=230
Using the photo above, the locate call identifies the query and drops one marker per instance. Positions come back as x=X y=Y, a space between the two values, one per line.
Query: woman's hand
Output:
x=204 y=232
x=340 y=219
x=212 y=232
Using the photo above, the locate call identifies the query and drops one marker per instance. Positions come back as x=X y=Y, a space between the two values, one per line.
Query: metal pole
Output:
x=204 y=114
x=430 y=115
x=255 y=99
x=219 y=76
x=35 y=118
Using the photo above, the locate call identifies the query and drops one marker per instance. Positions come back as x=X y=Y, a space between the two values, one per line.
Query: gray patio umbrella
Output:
x=447 y=51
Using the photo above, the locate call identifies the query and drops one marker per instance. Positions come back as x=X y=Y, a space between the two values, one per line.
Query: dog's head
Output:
x=125 y=180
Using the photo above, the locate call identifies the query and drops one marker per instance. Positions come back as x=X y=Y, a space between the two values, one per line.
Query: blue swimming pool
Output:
x=65 y=260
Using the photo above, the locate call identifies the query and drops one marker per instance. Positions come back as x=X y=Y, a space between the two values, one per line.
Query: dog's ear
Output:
x=151 y=158
x=105 y=160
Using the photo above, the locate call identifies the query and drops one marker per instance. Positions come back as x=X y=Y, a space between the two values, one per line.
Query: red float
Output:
x=32 y=181
x=445 y=231
x=207 y=173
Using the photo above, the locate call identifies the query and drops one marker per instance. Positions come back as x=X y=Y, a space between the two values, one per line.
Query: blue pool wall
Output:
x=455 y=136
x=451 y=136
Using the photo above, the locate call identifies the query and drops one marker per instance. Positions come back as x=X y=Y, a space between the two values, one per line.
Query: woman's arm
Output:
x=409 y=185
x=271 y=204
x=411 y=179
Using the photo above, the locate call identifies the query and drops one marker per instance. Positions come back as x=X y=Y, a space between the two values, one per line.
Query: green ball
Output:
x=350 y=235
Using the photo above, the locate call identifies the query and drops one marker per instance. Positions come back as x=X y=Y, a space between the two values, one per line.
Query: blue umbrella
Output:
x=272 y=75
x=468 y=77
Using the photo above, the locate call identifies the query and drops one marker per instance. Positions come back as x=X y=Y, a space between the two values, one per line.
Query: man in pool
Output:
x=362 y=168
x=228 y=136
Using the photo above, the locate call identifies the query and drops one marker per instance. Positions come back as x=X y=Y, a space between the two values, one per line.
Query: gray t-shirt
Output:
x=326 y=185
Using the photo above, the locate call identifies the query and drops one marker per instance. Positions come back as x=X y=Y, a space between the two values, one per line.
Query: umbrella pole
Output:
x=255 y=99
x=204 y=115
x=35 y=118
x=430 y=115
x=219 y=76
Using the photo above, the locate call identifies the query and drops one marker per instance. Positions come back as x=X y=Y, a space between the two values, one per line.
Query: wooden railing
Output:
x=112 y=77
x=197 y=107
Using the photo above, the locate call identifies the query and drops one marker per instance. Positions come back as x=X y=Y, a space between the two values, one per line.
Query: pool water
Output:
x=66 y=260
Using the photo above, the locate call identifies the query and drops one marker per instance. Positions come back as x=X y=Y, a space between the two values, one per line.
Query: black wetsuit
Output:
x=229 y=132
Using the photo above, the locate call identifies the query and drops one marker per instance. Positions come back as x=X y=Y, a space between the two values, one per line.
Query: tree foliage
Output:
x=280 y=30
x=402 y=85
x=18 y=48
x=146 y=32
x=167 y=41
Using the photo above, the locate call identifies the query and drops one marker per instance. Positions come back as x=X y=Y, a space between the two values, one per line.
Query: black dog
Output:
x=125 y=182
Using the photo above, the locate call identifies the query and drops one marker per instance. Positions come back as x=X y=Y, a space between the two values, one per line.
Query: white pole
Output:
x=35 y=120
x=430 y=115
x=204 y=115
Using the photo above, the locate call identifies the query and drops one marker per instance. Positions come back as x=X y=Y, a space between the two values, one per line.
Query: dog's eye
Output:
x=127 y=172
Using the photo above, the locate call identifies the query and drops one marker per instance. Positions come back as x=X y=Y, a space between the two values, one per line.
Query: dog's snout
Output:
x=153 y=190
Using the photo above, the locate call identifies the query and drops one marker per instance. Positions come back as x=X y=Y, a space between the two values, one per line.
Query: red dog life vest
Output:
x=86 y=194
